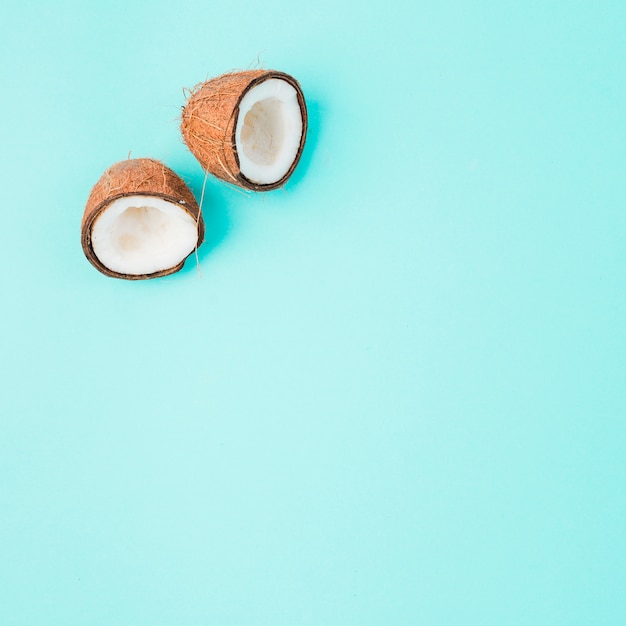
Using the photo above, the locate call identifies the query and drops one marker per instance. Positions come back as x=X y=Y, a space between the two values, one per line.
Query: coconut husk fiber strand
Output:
x=209 y=124
x=136 y=177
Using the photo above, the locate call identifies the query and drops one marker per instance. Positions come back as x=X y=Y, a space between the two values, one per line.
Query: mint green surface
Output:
x=394 y=393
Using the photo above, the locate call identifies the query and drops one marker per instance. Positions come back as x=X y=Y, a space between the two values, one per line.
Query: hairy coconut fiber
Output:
x=136 y=177
x=209 y=123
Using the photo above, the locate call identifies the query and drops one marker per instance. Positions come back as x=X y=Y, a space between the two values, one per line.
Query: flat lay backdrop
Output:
x=392 y=393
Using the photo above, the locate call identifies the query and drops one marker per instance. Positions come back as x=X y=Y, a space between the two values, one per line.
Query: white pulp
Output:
x=143 y=234
x=269 y=129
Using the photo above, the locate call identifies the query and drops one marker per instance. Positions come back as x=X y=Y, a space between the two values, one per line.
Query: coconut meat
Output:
x=138 y=235
x=269 y=129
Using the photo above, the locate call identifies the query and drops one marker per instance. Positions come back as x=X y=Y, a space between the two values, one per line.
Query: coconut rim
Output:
x=303 y=113
x=101 y=207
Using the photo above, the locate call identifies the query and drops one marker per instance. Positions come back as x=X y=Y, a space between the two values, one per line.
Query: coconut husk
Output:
x=133 y=177
x=209 y=123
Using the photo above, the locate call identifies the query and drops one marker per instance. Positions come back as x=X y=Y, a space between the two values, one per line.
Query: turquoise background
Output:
x=394 y=393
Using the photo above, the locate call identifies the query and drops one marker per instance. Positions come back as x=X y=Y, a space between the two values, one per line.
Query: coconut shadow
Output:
x=217 y=223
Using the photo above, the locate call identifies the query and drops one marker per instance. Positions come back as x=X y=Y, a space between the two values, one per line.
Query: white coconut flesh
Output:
x=269 y=129
x=138 y=235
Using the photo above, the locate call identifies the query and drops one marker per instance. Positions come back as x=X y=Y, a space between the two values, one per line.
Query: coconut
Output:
x=247 y=128
x=140 y=221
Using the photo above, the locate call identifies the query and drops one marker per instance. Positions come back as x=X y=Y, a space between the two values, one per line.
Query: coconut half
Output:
x=141 y=221
x=247 y=128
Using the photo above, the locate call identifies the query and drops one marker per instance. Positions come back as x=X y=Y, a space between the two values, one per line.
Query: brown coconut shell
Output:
x=209 y=123
x=136 y=177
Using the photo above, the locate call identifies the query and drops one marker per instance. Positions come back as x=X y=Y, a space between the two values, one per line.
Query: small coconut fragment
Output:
x=247 y=128
x=140 y=221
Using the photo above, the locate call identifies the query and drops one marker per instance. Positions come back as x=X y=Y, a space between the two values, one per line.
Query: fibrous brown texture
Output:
x=209 y=123
x=134 y=177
